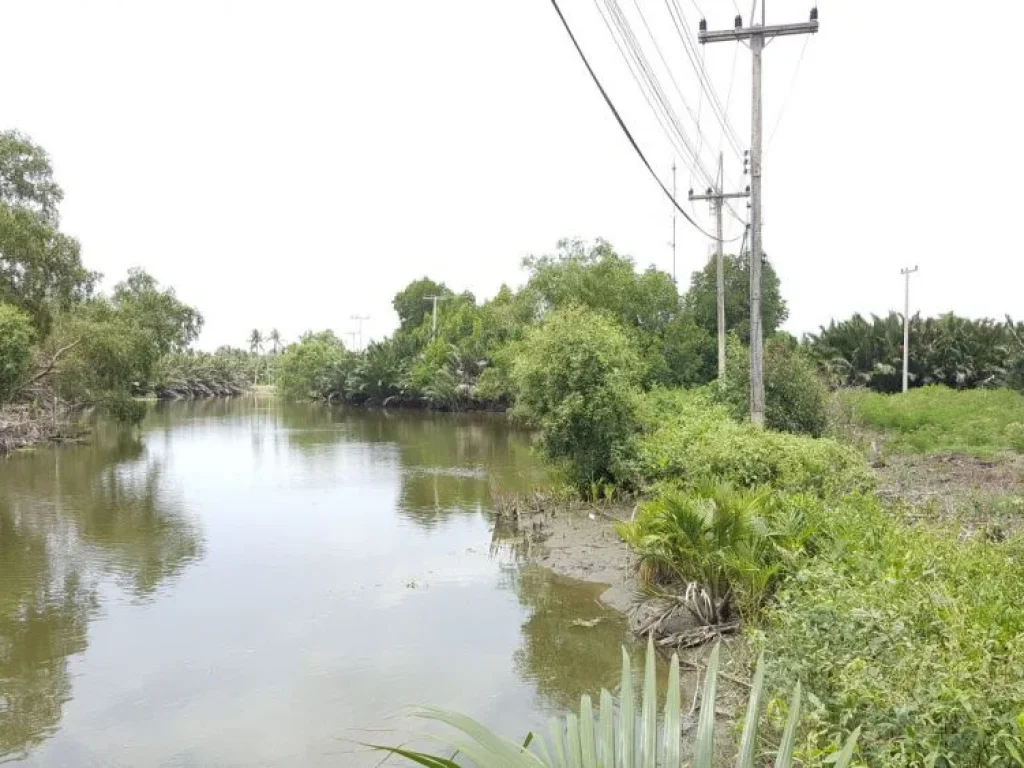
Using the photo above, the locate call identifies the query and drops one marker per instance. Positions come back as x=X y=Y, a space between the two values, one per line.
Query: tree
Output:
x=701 y=300
x=103 y=350
x=576 y=377
x=275 y=340
x=412 y=303
x=16 y=337
x=596 y=276
x=40 y=268
x=26 y=177
x=256 y=348
x=796 y=399
x=317 y=366
x=172 y=324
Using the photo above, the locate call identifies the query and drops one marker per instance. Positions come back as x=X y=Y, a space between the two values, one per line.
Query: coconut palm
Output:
x=256 y=348
x=614 y=741
x=275 y=340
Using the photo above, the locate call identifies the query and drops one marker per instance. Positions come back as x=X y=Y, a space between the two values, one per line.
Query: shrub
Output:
x=733 y=545
x=576 y=378
x=690 y=441
x=795 y=396
x=16 y=337
x=917 y=636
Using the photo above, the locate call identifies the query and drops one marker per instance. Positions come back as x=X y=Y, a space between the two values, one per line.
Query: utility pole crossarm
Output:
x=716 y=196
x=745 y=33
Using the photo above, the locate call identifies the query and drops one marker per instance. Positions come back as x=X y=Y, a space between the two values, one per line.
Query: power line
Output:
x=789 y=93
x=675 y=83
x=622 y=124
x=644 y=91
x=641 y=69
x=679 y=22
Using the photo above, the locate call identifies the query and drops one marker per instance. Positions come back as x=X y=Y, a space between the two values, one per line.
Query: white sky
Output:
x=291 y=164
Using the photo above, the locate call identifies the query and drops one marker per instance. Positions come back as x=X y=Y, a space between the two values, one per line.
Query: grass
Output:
x=932 y=420
x=910 y=633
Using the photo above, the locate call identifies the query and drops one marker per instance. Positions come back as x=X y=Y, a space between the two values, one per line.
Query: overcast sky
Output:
x=290 y=164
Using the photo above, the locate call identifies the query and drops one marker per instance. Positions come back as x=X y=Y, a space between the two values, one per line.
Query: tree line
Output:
x=467 y=360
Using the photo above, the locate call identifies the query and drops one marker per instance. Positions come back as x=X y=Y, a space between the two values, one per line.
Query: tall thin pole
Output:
x=907 y=272
x=757 y=34
x=720 y=269
x=433 y=321
x=756 y=333
x=674 y=224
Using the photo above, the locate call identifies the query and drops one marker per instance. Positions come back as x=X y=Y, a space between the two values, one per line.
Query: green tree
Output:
x=576 y=377
x=103 y=350
x=412 y=305
x=796 y=399
x=16 y=337
x=598 y=277
x=701 y=300
x=275 y=340
x=316 y=366
x=40 y=267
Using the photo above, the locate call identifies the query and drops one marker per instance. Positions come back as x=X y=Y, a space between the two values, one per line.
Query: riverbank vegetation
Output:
x=64 y=346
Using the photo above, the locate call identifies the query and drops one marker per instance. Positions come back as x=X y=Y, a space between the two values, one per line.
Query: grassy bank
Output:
x=937 y=419
x=914 y=633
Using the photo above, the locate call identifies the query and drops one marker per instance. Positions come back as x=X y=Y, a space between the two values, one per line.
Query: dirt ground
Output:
x=975 y=495
x=583 y=544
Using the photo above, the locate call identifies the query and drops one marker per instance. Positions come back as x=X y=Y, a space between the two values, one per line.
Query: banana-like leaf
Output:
x=573 y=743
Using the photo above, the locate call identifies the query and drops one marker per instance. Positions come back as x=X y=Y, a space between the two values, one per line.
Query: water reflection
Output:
x=571 y=641
x=67 y=517
x=344 y=575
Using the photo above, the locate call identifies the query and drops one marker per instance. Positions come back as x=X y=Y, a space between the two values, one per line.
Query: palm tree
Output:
x=256 y=347
x=275 y=339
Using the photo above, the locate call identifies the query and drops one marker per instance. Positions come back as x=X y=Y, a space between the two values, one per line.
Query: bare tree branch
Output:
x=49 y=367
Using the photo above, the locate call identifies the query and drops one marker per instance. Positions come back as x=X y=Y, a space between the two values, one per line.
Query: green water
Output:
x=249 y=583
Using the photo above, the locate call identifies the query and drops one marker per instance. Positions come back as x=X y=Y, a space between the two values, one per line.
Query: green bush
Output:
x=690 y=440
x=734 y=545
x=914 y=635
x=940 y=420
x=795 y=396
x=16 y=337
x=576 y=378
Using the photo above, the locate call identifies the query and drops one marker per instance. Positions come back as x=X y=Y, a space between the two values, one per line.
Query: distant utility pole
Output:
x=758 y=35
x=906 y=272
x=716 y=196
x=352 y=337
x=359 y=319
x=433 y=324
x=674 y=224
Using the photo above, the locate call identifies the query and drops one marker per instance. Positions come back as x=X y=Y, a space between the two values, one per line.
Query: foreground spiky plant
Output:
x=613 y=740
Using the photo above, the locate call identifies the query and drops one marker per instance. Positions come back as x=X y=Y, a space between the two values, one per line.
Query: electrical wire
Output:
x=644 y=91
x=625 y=130
x=789 y=93
x=679 y=22
x=679 y=91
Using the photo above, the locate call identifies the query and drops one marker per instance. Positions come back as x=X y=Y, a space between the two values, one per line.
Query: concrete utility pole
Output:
x=359 y=319
x=674 y=224
x=906 y=272
x=716 y=198
x=758 y=35
x=433 y=324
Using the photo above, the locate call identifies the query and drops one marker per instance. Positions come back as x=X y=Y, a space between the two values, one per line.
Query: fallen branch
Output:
x=50 y=366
